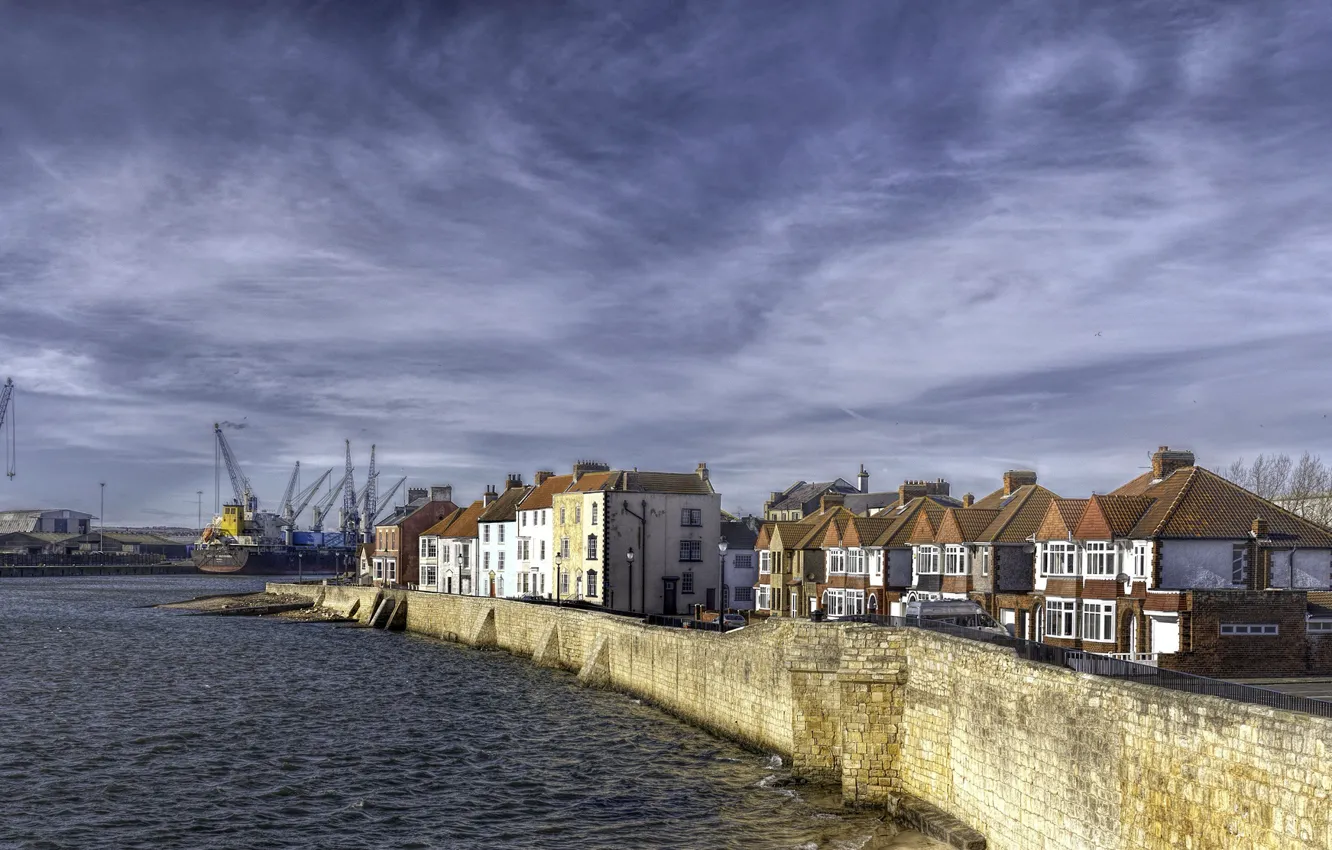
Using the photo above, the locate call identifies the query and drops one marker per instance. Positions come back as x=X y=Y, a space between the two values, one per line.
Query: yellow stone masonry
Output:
x=1032 y=756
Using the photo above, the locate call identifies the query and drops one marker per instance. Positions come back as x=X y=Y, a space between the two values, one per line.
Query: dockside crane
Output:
x=324 y=505
x=11 y=436
x=240 y=485
x=370 y=503
x=287 y=518
x=350 y=519
x=303 y=499
x=387 y=500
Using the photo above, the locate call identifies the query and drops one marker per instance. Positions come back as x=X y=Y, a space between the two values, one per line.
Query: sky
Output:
x=940 y=239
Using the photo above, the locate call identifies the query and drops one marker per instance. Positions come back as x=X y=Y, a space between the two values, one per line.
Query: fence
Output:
x=78 y=559
x=1113 y=668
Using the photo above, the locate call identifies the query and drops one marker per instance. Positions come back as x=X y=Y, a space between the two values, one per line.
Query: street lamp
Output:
x=630 y=556
x=559 y=560
x=101 y=518
x=300 y=572
x=721 y=585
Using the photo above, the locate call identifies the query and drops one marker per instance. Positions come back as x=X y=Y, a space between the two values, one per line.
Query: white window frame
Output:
x=983 y=554
x=855 y=603
x=500 y=562
x=1239 y=564
x=834 y=602
x=765 y=562
x=501 y=532
x=1098 y=621
x=691 y=517
x=594 y=513
x=1319 y=626
x=1100 y=558
x=485 y=532
x=1250 y=629
x=592 y=589
x=1142 y=551
x=1059 y=558
x=591 y=553
x=955 y=560
x=837 y=562
x=856 y=563
x=763 y=597
x=927 y=560
x=1061 y=618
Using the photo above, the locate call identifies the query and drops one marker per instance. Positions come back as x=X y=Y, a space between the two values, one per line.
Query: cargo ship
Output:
x=255 y=543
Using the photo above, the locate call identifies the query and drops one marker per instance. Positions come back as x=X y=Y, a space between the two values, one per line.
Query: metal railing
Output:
x=1113 y=668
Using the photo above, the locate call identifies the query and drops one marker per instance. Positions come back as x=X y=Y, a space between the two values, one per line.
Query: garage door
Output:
x=1165 y=635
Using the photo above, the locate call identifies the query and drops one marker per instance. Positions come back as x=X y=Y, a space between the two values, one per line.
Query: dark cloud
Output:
x=778 y=238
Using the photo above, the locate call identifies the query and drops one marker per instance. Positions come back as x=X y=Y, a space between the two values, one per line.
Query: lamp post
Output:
x=559 y=561
x=101 y=518
x=300 y=571
x=721 y=585
x=630 y=557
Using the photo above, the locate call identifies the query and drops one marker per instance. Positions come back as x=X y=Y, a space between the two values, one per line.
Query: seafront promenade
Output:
x=1015 y=750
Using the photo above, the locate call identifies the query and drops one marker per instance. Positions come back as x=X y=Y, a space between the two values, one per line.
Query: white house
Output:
x=740 y=565
x=449 y=552
x=535 y=530
x=497 y=530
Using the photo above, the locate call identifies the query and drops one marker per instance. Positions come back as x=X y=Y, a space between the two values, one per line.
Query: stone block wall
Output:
x=1034 y=757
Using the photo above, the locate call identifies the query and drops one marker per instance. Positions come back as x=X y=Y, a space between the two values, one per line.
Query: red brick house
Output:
x=396 y=559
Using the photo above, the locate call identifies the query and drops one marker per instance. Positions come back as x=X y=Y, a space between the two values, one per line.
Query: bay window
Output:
x=836 y=561
x=1101 y=559
x=1098 y=621
x=927 y=560
x=765 y=562
x=955 y=560
x=1060 y=559
x=1061 y=618
x=855 y=603
x=855 y=563
x=763 y=597
x=1142 y=550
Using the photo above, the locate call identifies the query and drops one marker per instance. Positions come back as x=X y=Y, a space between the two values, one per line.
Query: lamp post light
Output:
x=101 y=518
x=721 y=585
x=559 y=562
x=300 y=571
x=630 y=557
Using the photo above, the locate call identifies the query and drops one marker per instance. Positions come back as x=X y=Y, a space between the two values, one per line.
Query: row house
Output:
x=1184 y=568
x=497 y=530
x=396 y=558
x=536 y=534
x=645 y=542
x=739 y=563
x=450 y=551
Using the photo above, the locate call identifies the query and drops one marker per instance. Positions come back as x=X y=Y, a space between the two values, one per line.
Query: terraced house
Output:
x=1183 y=568
x=497 y=530
x=536 y=534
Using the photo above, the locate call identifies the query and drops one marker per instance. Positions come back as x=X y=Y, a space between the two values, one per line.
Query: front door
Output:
x=711 y=599
x=668 y=597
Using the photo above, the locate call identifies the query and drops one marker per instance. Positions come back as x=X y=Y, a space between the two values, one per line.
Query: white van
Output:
x=957 y=612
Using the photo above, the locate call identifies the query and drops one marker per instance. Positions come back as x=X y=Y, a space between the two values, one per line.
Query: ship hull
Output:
x=271 y=561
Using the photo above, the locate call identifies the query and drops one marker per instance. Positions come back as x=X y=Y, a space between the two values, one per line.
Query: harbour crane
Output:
x=11 y=436
x=350 y=518
x=324 y=505
x=370 y=502
x=285 y=504
x=303 y=499
x=387 y=500
x=240 y=485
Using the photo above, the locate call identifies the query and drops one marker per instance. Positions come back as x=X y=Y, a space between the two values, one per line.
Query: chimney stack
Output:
x=702 y=471
x=541 y=476
x=514 y=480
x=489 y=496
x=1258 y=528
x=583 y=467
x=1015 y=478
x=1165 y=461
x=416 y=494
x=441 y=494
x=968 y=500
x=831 y=500
x=862 y=480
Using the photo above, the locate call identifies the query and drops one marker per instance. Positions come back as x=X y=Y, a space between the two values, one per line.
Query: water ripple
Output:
x=132 y=727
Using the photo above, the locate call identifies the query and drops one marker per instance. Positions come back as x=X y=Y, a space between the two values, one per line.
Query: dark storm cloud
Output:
x=782 y=238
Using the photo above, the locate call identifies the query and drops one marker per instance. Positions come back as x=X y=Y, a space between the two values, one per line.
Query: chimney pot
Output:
x=1259 y=527
x=968 y=500
x=831 y=500
x=1015 y=478
x=702 y=471
x=862 y=479
x=1165 y=461
x=541 y=476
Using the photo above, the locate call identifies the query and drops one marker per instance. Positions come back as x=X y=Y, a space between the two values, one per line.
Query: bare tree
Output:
x=1270 y=475
x=1304 y=488
x=1238 y=471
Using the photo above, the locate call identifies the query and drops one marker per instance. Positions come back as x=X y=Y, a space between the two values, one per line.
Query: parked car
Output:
x=734 y=621
x=956 y=612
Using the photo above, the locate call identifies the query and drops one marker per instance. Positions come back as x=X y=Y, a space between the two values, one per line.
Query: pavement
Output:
x=1313 y=687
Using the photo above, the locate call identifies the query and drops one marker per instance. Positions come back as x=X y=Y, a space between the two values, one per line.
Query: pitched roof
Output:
x=902 y=522
x=683 y=483
x=764 y=538
x=1060 y=519
x=738 y=535
x=1194 y=502
x=590 y=482
x=505 y=506
x=964 y=525
x=540 y=497
x=861 y=503
x=991 y=500
x=1109 y=517
x=801 y=494
x=1020 y=515
x=438 y=529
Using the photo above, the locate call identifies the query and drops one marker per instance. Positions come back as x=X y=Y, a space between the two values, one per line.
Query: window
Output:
x=1059 y=559
x=429 y=576
x=564 y=547
x=1249 y=628
x=855 y=603
x=687 y=582
x=691 y=517
x=501 y=561
x=927 y=560
x=485 y=561
x=743 y=562
x=592 y=589
x=543 y=517
x=983 y=555
x=594 y=513
x=591 y=547
x=523 y=515
x=1061 y=618
x=765 y=562
x=392 y=570
x=578 y=513
x=561 y=514
x=1098 y=621
x=1239 y=564
x=855 y=562
x=1320 y=626
x=744 y=594
x=485 y=533
x=762 y=598
x=794 y=610
x=834 y=602
x=423 y=548
x=564 y=584
x=499 y=591
x=836 y=561
x=955 y=560
x=464 y=553
x=543 y=550
x=379 y=568
x=691 y=550
x=501 y=534
x=1101 y=559
x=1141 y=550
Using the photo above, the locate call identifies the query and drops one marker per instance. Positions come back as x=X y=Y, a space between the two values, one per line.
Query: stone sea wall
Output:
x=1033 y=757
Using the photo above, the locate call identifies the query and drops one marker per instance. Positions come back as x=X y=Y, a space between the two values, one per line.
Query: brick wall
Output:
x=1230 y=656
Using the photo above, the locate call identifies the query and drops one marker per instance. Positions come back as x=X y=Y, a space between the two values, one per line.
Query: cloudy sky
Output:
x=942 y=239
